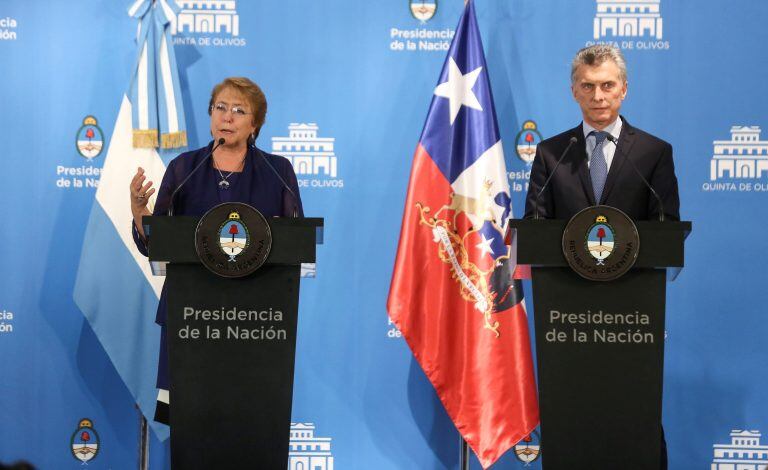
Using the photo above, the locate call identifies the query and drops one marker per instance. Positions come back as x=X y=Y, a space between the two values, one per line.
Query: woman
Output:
x=237 y=172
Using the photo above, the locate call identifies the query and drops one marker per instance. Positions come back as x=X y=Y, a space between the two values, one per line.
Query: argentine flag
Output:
x=115 y=288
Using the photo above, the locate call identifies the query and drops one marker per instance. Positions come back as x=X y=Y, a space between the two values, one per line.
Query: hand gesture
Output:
x=140 y=192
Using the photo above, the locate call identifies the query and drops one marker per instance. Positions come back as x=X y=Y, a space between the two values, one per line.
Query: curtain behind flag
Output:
x=114 y=288
x=453 y=295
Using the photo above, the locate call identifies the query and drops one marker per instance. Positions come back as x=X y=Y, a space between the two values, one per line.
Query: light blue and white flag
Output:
x=115 y=288
x=154 y=91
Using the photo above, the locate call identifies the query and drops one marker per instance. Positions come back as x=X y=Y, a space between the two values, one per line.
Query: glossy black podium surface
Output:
x=600 y=348
x=232 y=346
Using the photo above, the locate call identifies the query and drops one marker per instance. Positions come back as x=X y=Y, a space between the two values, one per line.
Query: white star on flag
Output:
x=485 y=245
x=458 y=89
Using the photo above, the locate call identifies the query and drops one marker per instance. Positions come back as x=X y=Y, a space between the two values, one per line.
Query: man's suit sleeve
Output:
x=539 y=175
x=664 y=181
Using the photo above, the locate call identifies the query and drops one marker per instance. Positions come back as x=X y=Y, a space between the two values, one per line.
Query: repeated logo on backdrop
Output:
x=89 y=144
x=529 y=449
x=207 y=23
x=420 y=39
x=8 y=27
x=313 y=158
x=739 y=164
x=744 y=452
x=423 y=10
x=90 y=139
x=629 y=25
x=85 y=441
x=526 y=141
x=307 y=451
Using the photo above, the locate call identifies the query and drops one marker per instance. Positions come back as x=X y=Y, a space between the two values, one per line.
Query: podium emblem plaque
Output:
x=233 y=239
x=601 y=243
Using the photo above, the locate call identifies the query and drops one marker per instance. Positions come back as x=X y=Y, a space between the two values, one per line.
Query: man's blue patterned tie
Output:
x=598 y=167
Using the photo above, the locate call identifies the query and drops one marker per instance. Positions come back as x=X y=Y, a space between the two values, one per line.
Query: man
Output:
x=595 y=169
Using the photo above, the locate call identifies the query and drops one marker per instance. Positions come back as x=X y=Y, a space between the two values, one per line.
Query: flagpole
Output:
x=143 y=441
x=464 y=452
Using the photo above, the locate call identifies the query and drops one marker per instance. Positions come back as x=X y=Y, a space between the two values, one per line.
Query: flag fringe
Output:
x=173 y=140
x=145 y=138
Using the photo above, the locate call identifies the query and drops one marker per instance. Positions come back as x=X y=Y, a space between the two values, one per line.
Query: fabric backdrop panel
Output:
x=351 y=83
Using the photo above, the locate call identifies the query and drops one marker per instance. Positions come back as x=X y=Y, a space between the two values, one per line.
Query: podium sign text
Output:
x=243 y=417
x=600 y=350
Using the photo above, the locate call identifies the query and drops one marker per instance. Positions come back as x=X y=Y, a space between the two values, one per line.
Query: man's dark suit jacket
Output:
x=570 y=189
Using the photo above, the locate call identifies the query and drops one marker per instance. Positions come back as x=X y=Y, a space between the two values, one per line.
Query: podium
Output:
x=232 y=344
x=600 y=348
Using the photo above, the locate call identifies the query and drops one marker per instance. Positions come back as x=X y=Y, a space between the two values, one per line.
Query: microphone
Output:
x=572 y=141
x=219 y=143
x=634 y=167
x=285 y=185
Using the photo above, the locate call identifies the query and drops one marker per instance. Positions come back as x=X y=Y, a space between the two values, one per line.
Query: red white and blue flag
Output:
x=453 y=294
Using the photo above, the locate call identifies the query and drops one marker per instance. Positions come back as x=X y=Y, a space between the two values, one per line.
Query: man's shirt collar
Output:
x=614 y=128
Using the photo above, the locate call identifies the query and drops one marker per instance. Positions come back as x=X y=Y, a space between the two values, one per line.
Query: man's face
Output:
x=599 y=90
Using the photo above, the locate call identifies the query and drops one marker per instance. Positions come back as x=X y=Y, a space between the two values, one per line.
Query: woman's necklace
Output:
x=223 y=183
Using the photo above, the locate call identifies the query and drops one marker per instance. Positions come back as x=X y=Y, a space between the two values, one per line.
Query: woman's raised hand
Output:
x=140 y=191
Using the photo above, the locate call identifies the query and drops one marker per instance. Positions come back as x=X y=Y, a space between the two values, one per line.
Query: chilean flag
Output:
x=453 y=295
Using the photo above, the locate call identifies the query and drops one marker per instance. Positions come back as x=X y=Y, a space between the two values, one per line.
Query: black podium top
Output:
x=539 y=243
x=172 y=240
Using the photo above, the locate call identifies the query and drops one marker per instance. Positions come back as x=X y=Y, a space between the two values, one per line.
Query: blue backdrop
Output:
x=360 y=76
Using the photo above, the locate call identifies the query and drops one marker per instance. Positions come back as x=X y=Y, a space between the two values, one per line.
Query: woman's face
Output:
x=231 y=118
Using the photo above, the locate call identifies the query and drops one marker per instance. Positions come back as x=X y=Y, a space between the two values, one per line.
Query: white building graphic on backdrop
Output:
x=309 y=154
x=307 y=452
x=207 y=16
x=744 y=156
x=628 y=18
x=743 y=453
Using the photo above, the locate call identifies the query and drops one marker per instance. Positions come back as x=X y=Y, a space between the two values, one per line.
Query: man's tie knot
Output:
x=600 y=136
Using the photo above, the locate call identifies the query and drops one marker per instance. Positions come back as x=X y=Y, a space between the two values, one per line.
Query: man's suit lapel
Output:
x=626 y=141
x=580 y=163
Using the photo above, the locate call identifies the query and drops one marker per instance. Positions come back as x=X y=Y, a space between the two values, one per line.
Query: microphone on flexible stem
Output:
x=219 y=143
x=648 y=185
x=572 y=141
x=285 y=185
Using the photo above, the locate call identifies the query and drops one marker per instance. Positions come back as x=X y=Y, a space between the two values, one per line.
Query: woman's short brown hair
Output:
x=252 y=94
